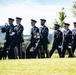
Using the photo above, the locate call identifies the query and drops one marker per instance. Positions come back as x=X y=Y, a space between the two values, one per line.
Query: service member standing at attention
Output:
x=18 y=39
x=67 y=41
x=57 y=41
x=33 y=40
x=44 y=37
x=74 y=38
x=8 y=29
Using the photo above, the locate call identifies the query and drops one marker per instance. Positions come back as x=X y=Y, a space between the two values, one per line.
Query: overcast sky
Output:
x=34 y=9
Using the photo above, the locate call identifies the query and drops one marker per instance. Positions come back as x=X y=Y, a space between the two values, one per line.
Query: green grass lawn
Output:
x=51 y=66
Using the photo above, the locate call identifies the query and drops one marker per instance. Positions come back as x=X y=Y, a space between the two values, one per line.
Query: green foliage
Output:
x=62 y=17
x=74 y=9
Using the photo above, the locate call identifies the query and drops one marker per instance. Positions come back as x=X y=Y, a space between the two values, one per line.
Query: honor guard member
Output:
x=74 y=38
x=57 y=41
x=67 y=41
x=18 y=39
x=0 y=52
x=8 y=29
x=33 y=40
x=44 y=37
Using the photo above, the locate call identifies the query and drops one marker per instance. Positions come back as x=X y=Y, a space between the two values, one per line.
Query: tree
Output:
x=62 y=17
x=74 y=9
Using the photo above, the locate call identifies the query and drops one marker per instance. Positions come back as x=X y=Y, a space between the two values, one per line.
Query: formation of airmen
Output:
x=38 y=44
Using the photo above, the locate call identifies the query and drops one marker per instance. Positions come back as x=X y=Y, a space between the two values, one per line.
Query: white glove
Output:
x=35 y=36
x=31 y=50
x=69 y=47
x=59 y=46
x=13 y=33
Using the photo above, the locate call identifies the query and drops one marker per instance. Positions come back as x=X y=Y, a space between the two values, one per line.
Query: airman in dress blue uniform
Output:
x=18 y=37
x=44 y=31
x=67 y=41
x=33 y=40
x=57 y=41
x=8 y=29
x=74 y=38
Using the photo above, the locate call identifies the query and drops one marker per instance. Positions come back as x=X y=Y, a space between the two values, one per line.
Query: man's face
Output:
x=66 y=26
x=74 y=25
x=33 y=23
x=42 y=23
x=10 y=22
x=56 y=28
x=18 y=21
